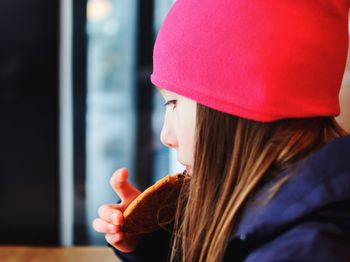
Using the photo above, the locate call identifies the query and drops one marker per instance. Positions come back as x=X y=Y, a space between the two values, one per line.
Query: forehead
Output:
x=165 y=92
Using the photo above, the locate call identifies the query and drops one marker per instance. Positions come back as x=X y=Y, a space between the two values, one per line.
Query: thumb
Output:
x=120 y=184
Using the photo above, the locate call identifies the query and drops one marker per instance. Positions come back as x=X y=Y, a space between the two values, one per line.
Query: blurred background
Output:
x=76 y=104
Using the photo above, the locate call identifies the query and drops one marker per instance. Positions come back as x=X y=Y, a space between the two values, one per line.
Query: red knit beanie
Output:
x=260 y=59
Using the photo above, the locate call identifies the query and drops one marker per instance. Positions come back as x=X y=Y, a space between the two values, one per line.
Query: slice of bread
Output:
x=155 y=206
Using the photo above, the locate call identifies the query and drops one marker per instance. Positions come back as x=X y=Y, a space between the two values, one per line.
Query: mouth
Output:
x=188 y=170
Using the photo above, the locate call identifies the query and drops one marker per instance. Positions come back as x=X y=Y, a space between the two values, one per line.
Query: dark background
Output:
x=29 y=32
x=29 y=117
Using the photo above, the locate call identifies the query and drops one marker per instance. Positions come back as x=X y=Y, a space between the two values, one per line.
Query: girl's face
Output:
x=179 y=126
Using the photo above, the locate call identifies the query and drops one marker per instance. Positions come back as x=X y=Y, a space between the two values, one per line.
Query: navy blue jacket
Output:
x=307 y=220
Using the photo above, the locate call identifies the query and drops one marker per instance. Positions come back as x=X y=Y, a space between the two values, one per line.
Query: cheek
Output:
x=185 y=134
x=185 y=148
x=186 y=140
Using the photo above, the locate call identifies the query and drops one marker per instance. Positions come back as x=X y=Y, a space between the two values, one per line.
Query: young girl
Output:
x=251 y=91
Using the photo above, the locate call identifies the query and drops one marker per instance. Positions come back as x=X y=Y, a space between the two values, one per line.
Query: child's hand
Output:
x=111 y=215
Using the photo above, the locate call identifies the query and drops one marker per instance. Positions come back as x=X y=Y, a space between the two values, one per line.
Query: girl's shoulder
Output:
x=311 y=210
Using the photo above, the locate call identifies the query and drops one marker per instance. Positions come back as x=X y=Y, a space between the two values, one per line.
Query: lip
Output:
x=188 y=169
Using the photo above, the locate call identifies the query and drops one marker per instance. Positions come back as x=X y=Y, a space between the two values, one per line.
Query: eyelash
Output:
x=171 y=102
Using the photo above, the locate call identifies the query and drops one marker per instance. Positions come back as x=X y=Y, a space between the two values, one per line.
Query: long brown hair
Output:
x=232 y=156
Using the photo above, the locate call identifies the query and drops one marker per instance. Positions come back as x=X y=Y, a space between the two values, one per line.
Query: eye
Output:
x=173 y=102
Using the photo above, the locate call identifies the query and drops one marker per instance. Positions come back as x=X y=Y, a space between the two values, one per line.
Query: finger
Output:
x=103 y=227
x=113 y=239
x=120 y=184
x=112 y=213
x=122 y=242
x=117 y=218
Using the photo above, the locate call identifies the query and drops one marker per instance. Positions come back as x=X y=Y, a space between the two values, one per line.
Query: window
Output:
x=121 y=106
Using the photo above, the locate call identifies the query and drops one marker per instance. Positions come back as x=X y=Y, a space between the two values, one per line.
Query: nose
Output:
x=167 y=137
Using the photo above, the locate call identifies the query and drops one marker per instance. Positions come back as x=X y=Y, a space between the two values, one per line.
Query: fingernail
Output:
x=112 y=229
x=114 y=218
x=116 y=237
x=111 y=238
